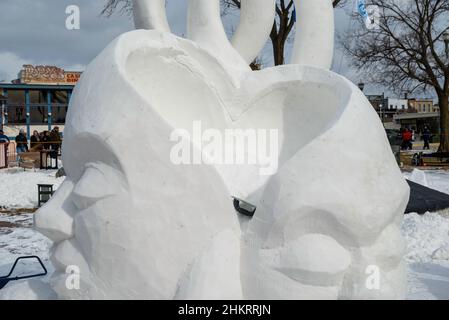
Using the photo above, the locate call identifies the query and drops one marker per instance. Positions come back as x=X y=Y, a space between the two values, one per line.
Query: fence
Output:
x=8 y=154
x=3 y=155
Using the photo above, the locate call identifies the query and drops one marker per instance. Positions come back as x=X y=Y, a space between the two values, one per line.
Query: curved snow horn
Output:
x=150 y=14
x=314 y=39
x=204 y=26
x=256 y=22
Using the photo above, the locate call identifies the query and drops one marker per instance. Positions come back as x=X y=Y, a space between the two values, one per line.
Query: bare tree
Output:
x=406 y=52
x=282 y=26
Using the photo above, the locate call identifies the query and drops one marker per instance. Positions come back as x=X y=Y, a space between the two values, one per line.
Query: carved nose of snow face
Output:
x=55 y=218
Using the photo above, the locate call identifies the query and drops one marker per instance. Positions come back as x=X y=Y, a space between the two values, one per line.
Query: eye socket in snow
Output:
x=243 y=207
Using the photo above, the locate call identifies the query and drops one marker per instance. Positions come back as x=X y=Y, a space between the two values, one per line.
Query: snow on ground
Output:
x=18 y=188
x=427 y=257
x=426 y=236
x=436 y=179
x=17 y=238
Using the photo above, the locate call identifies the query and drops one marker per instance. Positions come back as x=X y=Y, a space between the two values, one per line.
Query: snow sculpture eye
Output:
x=98 y=182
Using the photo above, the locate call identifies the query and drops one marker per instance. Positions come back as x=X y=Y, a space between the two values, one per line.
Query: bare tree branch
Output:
x=280 y=32
x=406 y=52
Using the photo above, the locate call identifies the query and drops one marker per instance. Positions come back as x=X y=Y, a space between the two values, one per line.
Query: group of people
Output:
x=45 y=140
x=407 y=135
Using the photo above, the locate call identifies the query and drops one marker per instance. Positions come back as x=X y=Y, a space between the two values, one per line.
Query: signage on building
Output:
x=47 y=75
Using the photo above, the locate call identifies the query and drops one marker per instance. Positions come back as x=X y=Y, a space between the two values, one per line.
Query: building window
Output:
x=59 y=114
x=38 y=97
x=16 y=97
x=16 y=114
x=59 y=97
x=39 y=115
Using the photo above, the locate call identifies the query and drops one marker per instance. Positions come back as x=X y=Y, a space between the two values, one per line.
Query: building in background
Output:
x=417 y=121
x=422 y=105
x=397 y=105
x=37 y=100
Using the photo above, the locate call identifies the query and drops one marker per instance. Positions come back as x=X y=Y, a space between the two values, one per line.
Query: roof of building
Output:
x=416 y=115
x=36 y=86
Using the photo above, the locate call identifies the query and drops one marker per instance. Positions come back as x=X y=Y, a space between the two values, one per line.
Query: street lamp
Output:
x=361 y=86
x=446 y=42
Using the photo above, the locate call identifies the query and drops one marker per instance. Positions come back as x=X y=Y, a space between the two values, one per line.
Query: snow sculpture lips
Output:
x=139 y=226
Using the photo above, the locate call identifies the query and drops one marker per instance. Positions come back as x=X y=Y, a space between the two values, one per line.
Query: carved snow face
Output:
x=139 y=226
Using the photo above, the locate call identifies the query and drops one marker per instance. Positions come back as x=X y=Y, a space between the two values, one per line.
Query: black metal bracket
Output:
x=5 y=279
x=239 y=204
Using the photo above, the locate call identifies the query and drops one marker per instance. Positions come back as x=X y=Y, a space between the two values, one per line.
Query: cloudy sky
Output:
x=34 y=32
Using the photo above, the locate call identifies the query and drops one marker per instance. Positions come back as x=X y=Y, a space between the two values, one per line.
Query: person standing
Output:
x=3 y=137
x=21 y=143
x=426 y=137
x=55 y=139
x=35 y=140
x=407 y=139
x=45 y=140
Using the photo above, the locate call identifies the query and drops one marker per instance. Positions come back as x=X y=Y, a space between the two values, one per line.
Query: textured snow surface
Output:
x=18 y=188
x=427 y=238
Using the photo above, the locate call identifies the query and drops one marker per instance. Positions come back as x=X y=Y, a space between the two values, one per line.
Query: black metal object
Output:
x=44 y=193
x=423 y=199
x=438 y=157
x=243 y=207
x=6 y=279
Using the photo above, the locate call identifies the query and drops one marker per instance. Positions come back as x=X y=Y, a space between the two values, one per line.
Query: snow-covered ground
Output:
x=18 y=188
x=18 y=194
x=427 y=236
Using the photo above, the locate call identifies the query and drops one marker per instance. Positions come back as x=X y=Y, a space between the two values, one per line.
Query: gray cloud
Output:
x=33 y=31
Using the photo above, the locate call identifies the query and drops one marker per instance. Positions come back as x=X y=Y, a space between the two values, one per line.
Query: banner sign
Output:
x=47 y=75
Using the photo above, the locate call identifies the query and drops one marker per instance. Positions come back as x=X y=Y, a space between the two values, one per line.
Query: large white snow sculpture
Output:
x=139 y=226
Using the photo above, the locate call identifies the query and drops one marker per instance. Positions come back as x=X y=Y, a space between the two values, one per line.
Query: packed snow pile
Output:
x=425 y=235
x=18 y=188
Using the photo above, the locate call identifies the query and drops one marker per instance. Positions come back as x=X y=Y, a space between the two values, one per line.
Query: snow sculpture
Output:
x=137 y=225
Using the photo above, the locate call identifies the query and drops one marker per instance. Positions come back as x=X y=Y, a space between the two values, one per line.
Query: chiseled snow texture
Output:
x=427 y=274
x=113 y=199
x=18 y=188
x=330 y=196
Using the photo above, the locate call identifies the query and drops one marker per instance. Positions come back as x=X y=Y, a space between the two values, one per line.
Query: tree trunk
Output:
x=278 y=53
x=443 y=101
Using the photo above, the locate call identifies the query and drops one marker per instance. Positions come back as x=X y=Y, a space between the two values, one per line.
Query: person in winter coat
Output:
x=407 y=139
x=426 y=137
